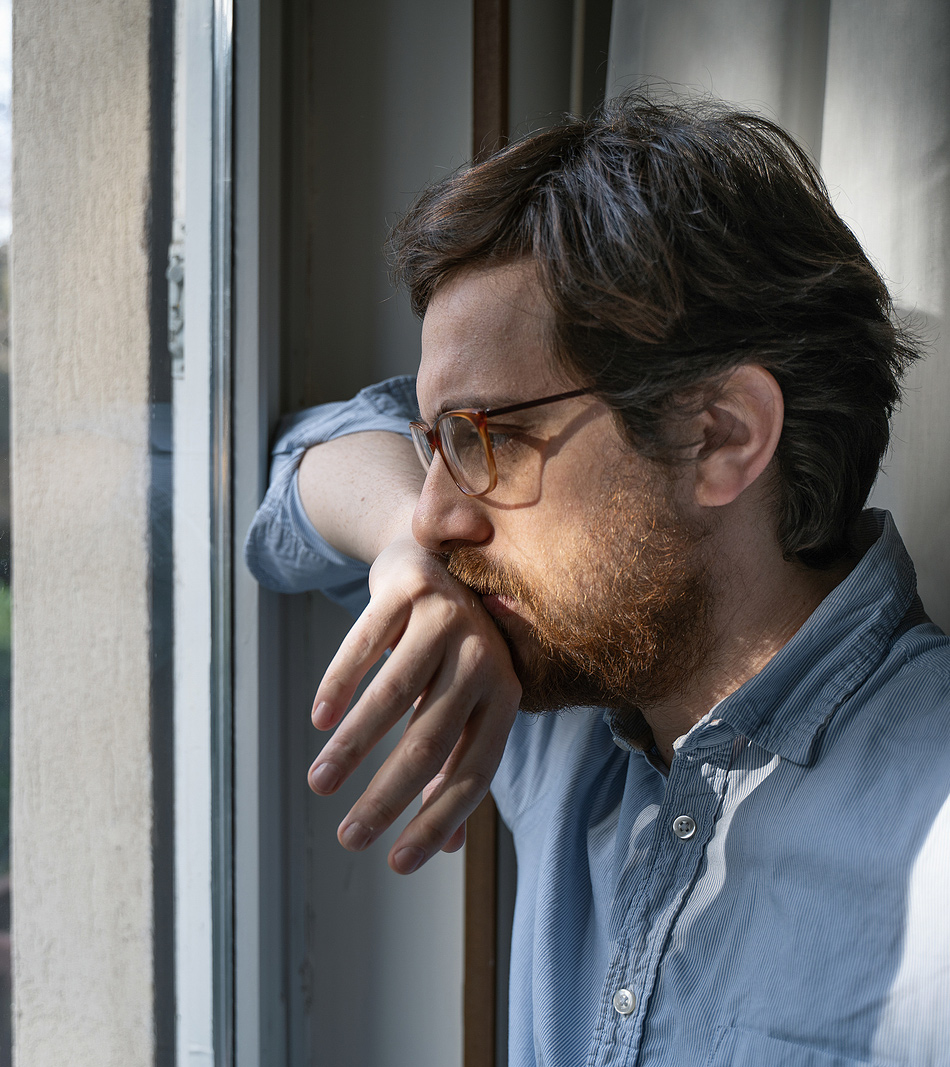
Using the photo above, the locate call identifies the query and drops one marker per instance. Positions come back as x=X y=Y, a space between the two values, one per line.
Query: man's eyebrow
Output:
x=478 y=404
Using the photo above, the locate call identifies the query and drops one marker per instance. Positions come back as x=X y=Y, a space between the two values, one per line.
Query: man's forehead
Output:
x=485 y=340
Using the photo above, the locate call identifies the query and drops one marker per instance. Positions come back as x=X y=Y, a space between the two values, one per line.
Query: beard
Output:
x=621 y=623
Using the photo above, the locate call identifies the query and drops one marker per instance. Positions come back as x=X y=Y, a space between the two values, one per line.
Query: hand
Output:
x=450 y=664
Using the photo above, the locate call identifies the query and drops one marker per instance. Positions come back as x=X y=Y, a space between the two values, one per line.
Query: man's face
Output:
x=582 y=552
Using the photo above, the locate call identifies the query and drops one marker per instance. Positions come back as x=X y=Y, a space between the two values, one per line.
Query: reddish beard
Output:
x=625 y=627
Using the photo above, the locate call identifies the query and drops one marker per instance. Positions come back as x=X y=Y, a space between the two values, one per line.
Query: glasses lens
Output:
x=465 y=453
x=419 y=439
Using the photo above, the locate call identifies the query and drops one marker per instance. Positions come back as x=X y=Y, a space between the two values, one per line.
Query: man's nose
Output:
x=445 y=517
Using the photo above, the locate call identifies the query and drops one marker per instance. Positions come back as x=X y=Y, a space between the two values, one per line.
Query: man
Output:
x=657 y=371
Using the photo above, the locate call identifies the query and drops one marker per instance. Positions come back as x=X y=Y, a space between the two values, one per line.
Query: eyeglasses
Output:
x=464 y=442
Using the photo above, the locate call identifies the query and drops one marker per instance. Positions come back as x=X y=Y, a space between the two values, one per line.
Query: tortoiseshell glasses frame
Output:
x=462 y=439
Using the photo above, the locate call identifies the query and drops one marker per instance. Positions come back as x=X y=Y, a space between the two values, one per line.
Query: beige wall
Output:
x=82 y=863
x=865 y=84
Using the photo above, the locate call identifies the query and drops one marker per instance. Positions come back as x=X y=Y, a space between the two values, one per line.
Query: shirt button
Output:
x=684 y=827
x=624 y=1001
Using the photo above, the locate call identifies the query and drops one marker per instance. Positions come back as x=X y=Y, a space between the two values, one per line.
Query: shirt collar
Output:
x=785 y=707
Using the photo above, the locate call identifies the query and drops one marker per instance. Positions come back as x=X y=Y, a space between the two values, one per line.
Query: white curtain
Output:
x=865 y=85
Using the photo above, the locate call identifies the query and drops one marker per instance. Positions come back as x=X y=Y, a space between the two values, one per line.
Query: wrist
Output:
x=398 y=528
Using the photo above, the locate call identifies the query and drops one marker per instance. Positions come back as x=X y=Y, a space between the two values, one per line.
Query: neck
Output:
x=760 y=601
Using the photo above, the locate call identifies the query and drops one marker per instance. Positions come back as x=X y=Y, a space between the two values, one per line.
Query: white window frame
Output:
x=202 y=537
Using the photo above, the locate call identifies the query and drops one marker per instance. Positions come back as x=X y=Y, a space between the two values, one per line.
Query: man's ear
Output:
x=738 y=435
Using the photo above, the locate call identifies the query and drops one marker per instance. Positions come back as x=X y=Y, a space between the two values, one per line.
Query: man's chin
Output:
x=549 y=686
x=548 y=683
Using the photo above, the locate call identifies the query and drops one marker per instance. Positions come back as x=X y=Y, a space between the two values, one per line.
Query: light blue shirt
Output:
x=781 y=896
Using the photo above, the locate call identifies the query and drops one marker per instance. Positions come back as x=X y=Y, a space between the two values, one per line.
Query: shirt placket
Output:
x=648 y=901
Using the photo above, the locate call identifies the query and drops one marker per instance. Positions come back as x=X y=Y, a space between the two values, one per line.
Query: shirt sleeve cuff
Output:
x=283 y=550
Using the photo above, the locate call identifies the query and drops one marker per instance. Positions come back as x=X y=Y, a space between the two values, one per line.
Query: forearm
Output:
x=359 y=491
x=344 y=486
x=283 y=548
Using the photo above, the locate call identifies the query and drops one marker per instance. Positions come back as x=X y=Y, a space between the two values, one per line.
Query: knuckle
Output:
x=485 y=651
x=332 y=684
x=411 y=576
x=431 y=835
x=493 y=666
x=468 y=612
x=342 y=751
x=423 y=752
x=360 y=644
x=472 y=787
x=431 y=840
x=377 y=812
x=391 y=690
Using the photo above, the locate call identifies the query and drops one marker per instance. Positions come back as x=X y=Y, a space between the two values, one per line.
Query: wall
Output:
x=864 y=84
x=886 y=157
x=82 y=867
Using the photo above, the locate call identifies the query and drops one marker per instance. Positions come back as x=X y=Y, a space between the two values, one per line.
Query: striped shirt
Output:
x=780 y=895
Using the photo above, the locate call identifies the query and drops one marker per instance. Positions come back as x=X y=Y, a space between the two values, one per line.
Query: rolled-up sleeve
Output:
x=282 y=549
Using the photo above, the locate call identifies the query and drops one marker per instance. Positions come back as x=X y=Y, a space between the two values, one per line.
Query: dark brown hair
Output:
x=674 y=242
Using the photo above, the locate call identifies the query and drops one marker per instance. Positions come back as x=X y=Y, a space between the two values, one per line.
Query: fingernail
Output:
x=408 y=859
x=356 y=837
x=320 y=713
x=325 y=778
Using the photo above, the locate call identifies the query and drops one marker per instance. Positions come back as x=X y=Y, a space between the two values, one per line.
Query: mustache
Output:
x=484 y=576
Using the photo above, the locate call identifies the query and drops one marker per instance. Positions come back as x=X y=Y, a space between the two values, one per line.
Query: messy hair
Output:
x=675 y=242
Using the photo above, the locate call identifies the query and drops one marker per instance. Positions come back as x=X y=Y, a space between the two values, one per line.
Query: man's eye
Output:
x=499 y=439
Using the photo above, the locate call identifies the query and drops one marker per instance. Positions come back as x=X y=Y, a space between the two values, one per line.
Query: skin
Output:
x=483 y=339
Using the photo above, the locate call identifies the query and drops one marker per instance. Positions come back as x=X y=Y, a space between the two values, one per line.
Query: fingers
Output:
x=411 y=588
x=401 y=681
x=431 y=829
x=453 y=790
x=449 y=662
x=445 y=640
x=444 y=703
x=374 y=632
x=449 y=751
x=457 y=839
